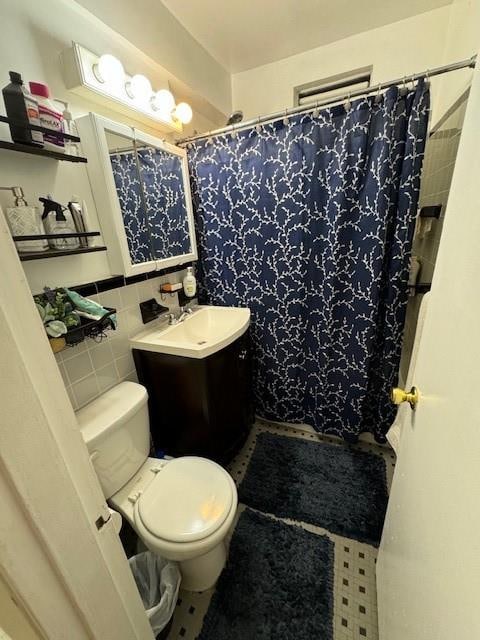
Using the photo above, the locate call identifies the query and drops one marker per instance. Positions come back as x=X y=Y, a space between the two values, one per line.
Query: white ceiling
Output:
x=242 y=34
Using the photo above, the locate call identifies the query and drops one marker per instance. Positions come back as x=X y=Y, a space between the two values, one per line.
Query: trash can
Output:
x=158 y=581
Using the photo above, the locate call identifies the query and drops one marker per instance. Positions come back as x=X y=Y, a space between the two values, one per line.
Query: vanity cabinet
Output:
x=142 y=193
x=199 y=407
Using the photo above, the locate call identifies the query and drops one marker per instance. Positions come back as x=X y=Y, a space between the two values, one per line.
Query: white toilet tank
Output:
x=115 y=428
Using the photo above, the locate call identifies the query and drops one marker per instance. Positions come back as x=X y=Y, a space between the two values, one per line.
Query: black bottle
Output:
x=22 y=108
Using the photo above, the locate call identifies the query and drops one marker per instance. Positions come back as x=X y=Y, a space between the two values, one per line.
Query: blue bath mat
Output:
x=278 y=584
x=337 y=487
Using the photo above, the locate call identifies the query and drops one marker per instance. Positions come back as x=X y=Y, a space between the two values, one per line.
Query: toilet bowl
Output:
x=181 y=509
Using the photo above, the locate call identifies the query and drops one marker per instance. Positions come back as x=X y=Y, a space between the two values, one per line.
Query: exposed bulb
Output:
x=183 y=112
x=139 y=87
x=109 y=69
x=163 y=101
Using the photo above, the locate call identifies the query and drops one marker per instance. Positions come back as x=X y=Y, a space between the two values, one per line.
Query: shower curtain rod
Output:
x=454 y=66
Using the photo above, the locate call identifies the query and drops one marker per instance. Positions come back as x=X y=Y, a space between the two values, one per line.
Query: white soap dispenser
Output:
x=190 y=283
x=24 y=220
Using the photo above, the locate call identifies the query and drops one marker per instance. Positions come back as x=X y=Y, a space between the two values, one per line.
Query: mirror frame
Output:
x=92 y=130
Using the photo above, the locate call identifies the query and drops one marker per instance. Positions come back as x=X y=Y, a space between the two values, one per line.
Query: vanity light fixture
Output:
x=102 y=79
x=108 y=69
x=139 y=88
x=183 y=112
x=163 y=101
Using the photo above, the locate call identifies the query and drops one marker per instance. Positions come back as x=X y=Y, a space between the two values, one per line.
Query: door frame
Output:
x=59 y=552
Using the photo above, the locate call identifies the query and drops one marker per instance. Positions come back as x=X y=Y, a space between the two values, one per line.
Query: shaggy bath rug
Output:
x=336 y=487
x=278 y=583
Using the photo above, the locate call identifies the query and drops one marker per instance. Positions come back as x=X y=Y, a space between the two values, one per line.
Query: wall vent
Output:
x=326 y=88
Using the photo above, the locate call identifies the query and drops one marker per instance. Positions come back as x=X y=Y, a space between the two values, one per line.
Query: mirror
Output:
x=149 y=184
x=162 y=180
x=130 y=197
x=141 y=187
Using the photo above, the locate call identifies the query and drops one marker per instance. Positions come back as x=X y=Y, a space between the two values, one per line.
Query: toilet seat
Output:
x=188 y=500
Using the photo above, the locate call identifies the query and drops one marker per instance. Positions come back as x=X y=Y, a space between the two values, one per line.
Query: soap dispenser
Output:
x=190 y=283
x=71 y=147
x=58 y=220
x=24 y=220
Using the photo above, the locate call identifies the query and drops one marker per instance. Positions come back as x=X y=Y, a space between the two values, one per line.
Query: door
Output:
x=428 y=570
x=59 y=552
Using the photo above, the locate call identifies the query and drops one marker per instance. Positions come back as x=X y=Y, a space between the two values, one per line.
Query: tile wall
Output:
x=440 y=156
x=90 y=368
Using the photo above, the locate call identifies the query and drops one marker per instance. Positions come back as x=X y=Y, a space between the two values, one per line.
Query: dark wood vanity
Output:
x=199 y=407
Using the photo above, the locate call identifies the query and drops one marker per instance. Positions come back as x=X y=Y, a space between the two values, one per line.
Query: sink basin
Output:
x=205 y=331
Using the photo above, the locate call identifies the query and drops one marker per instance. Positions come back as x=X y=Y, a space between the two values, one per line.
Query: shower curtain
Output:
x=309 y=223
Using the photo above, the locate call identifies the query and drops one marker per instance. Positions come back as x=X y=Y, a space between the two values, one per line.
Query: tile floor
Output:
x=355 y=598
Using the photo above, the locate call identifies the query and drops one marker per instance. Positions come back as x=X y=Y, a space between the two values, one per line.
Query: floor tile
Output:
x=355 y=598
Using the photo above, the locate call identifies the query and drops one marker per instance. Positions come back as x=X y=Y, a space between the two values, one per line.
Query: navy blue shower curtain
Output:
x=310 y=224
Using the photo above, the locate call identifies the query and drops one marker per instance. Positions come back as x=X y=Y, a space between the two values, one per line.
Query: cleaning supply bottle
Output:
x=23 y=110
x=190 y=283
x=50 y=117
x=77 y=211
x=69 y=127
x=58 y=221
x=24 y=220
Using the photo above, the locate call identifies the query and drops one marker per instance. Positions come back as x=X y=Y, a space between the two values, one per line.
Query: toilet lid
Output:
x=188 y=500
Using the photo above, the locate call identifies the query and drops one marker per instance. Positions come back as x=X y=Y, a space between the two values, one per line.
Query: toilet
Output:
x=181 y=509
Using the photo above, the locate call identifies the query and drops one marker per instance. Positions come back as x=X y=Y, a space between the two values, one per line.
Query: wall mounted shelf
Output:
x=53 y=236
x=55 y=253
x=432 y=211
x=40 y=151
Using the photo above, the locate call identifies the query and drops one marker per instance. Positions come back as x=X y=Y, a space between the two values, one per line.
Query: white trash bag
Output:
x=158 y=581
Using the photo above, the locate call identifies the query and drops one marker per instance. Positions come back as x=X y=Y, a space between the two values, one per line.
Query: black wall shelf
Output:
x=432 y=211
x=39 y=151
x=56 y=253
x=36 y=127
x=53 y=236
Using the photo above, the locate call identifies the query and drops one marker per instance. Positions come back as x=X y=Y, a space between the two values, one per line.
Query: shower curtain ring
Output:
x=285 y=119
x=258 y=128
x=316 y=111
x=234 y=133
x=378 y=97
x=348 y=103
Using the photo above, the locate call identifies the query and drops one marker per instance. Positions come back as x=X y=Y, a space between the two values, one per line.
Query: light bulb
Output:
x=108 y=69
x=139 y=87
x=163 y=101
x=183 y=112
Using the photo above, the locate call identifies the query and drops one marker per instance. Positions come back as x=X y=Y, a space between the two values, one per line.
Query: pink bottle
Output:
x=50 y=117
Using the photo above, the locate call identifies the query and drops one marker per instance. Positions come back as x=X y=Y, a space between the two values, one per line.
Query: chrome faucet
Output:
x=184 y=313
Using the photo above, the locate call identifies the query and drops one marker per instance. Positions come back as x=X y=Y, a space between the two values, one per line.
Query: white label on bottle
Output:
x=51 y=120
x=34 y=118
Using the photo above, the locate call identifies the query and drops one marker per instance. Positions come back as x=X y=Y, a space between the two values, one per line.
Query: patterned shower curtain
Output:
x=309 y=223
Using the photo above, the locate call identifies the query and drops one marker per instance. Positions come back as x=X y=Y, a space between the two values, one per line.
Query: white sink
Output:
x=205 y=331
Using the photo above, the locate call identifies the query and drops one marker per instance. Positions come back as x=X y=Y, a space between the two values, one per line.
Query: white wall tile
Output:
x=78 y=367
x=72 y=398
x=107 y=377
x=101 y=354
x=144 y=291
x=125 y=365
x=86 y=390
x=120 y=346
x=129 y=296
x=111 y=299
